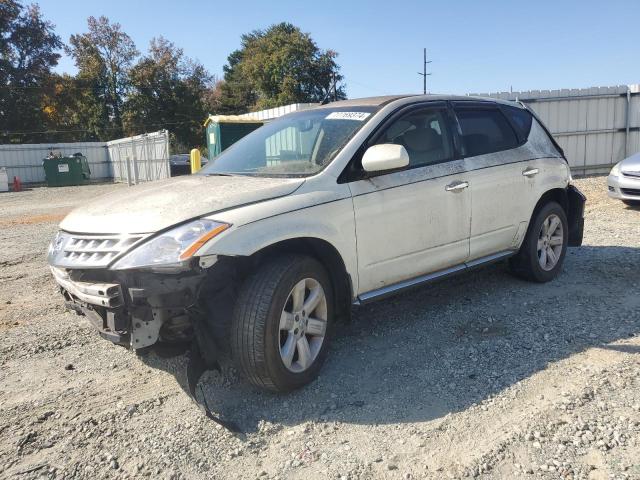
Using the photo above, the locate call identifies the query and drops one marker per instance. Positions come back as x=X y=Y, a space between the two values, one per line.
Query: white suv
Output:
x=266 y=248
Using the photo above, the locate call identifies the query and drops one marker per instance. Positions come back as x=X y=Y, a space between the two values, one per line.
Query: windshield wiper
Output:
x=216 y=174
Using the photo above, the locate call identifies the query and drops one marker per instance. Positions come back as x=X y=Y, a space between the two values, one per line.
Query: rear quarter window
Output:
x=485 y=130
x=521 y=120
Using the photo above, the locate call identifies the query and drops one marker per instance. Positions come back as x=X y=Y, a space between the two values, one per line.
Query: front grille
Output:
x=631 y=174
x=91 y=251
x=97 y=251
x=631 y=191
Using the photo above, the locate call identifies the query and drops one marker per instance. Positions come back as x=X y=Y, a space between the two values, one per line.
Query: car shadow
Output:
x=634 y=349
x=444 y=347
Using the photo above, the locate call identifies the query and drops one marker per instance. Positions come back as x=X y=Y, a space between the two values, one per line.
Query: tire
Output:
x=632 y=203
x=265 y=326
x=528 y=263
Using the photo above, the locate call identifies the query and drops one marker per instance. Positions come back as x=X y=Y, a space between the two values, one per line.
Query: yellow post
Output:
x=195 y=160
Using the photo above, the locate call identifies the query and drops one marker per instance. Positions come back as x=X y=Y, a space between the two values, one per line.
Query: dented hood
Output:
x=157 y=205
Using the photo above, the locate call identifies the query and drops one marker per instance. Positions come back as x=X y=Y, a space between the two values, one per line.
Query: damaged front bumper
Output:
x=138 y=308
x=133 y=309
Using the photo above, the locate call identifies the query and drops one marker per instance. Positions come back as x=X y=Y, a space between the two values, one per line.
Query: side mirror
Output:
x=387 y=156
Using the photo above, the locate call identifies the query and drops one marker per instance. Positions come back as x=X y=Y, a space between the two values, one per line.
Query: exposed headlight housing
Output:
x=172 y=248
x=56 y=246
x=615 y=171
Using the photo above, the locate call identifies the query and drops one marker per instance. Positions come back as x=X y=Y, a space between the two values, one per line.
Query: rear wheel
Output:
x=543 y=249
x=281 y=323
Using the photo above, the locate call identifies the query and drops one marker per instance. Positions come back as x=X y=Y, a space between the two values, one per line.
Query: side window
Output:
x=425 y=135
x=521 y=120
x=485 y=130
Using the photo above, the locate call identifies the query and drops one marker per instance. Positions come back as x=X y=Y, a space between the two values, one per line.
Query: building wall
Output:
x=597 y=127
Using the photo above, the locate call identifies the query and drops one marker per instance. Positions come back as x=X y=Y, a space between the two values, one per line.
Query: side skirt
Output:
x=430 y=277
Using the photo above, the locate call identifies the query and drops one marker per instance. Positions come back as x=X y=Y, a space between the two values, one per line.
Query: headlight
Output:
x=615 y=171
x=172 y=248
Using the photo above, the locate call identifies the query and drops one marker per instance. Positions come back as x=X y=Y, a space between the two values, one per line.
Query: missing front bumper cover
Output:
x=135 y=310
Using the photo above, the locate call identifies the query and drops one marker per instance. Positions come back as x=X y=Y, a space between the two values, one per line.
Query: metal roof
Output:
x=272 y=113
x=366 y=101
x=230 y=119
x=386 y=99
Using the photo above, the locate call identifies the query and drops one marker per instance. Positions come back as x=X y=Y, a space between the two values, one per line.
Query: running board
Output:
x=430 y=277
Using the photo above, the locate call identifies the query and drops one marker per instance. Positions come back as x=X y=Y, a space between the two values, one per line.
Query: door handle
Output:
x=530 y=172
x=456 y=186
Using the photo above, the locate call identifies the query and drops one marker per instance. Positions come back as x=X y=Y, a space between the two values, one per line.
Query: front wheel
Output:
x=543 y=249
x=281 y=323
x=632 y=203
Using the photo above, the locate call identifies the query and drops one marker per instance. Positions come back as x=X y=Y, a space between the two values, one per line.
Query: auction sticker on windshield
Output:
x=359 y=116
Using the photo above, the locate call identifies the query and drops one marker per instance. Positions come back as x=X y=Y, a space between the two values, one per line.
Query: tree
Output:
x=28 y=52
x=168 y=91
x=103 y=56
x=235 y=94
x=277 y=66
x=68 y=113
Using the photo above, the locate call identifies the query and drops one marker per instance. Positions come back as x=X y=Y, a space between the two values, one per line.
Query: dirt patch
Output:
x=34 y=219
x=480 y=376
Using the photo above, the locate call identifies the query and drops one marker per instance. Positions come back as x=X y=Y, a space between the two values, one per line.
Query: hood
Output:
x=631 y=164
x=157 y=205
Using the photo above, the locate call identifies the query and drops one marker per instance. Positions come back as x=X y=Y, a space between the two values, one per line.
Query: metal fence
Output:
x=25 y=161
x=597 y=127
x=272 y=113
x=141 y=158
x=133 y=159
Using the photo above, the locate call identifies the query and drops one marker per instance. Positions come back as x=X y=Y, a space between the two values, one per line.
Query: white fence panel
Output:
x=597 y=127
x=142 y=158
x=134 y=159
x=25 y=160
x=272 y=113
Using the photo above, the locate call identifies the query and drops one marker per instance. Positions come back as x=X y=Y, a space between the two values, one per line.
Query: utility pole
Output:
x=424 y=72
x=335 y=92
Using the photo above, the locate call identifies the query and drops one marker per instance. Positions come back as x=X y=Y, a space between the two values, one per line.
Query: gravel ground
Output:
x=482 y=375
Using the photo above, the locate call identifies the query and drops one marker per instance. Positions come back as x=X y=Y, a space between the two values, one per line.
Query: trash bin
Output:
x=225 y=130
x=64 y=171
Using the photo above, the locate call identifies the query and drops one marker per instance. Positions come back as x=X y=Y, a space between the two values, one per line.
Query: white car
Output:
x=624 y=180
x=263 y=251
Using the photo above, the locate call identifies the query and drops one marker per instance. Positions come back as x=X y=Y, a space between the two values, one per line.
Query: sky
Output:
x=474 y=46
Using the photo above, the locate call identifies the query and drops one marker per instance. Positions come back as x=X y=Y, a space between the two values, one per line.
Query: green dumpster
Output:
x=64 y=171
x=225 y=130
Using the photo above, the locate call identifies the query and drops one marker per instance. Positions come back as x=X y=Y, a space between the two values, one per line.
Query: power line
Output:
x=44 y=132
x=372 y=88
x=71 y=87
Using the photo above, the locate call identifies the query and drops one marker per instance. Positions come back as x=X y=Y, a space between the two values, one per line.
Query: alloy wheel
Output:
x=303 y=325
x=550 y=242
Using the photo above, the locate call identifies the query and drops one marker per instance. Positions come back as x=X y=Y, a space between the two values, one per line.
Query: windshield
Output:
x=298 y=145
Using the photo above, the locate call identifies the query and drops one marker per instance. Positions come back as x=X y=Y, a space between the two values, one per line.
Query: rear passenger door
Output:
x=499 y=203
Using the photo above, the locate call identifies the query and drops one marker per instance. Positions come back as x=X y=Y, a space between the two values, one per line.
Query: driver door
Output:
x=415 y=221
